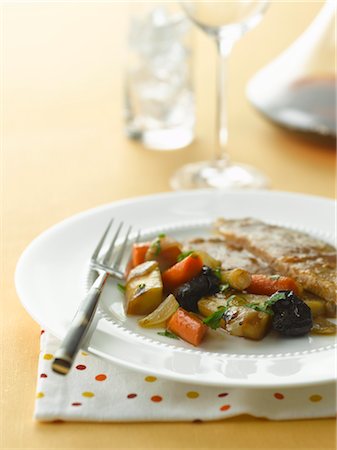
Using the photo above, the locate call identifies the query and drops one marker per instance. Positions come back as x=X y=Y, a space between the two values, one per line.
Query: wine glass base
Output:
x=216 y=175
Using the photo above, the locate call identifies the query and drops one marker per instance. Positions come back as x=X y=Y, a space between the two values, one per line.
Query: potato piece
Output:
x=239 y=319
x=246 y=322
x=317 y=307
x=207 y=259
x=144 y=290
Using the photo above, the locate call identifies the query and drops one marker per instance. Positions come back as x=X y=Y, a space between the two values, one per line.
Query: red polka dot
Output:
x=223 y=394
x=156 y=398
x=279 y=396
x=43 y=375
x=81 y=367
x=76 y=404
x=132 y=395
x=100 y=377
x=42 y=331
x=225 y=407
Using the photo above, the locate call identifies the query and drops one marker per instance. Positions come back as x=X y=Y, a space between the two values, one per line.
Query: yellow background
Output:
x=63 y=150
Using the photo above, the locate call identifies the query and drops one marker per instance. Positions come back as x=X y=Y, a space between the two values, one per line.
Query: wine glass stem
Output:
x=224 y=47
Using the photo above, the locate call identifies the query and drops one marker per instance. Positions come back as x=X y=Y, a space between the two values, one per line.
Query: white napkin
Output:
x=96 y=390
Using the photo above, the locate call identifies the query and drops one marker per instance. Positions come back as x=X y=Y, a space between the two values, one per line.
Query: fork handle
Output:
x=65 y=355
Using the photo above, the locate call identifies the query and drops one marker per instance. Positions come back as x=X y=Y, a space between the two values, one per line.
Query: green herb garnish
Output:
x=217 y=272
x=275 y=277
x=266 y=306
x=224 y=287
x=184 y=255
x=140 y=289
x=121 y=287
x=213 y=321
x=168 y=334
x=156 y=244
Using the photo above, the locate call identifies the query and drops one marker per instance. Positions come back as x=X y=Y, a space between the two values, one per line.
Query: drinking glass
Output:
x=226 y=22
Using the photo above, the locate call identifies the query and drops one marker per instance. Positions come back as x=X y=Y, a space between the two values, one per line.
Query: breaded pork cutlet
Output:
x=310 y=261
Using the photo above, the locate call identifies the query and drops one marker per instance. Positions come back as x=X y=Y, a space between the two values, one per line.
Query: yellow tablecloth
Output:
x=64 y=151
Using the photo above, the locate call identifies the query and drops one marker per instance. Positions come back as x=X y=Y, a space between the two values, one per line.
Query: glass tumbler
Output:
x=159 y=98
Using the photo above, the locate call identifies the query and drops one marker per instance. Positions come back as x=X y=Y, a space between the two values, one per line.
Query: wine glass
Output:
x=226 y=22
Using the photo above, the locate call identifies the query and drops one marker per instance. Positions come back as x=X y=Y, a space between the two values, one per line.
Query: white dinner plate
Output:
x=52 y=276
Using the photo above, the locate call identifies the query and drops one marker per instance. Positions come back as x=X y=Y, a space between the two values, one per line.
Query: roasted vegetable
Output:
x=323 y=326
x=236 y=316
x=164 y=250
x=207 y=259
x=159 y=317
x=269 y=284
x=144 y=289
x=292 y=317
x=188 y=294
x=187 y=326
x=139 y=251
x=182 y=272
x=237 y=278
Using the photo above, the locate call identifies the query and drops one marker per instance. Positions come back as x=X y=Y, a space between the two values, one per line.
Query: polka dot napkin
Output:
x=96 y=390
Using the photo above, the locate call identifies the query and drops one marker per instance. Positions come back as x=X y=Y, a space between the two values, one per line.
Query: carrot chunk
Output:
x=187 y=326
x=269 y=284
x=139 y=250
x=182 y=272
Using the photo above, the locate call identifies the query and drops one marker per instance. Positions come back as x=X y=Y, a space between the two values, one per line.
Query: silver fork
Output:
x=73 y=339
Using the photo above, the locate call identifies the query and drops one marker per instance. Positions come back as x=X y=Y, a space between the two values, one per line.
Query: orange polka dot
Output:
x=47 y=356
x=225 y=407
x=279 y=396
x=39 y=395
x=88 y=394
x=150 y=379
x=100 y=377
x=192 y=394
x=156 y=398
x=315 y=398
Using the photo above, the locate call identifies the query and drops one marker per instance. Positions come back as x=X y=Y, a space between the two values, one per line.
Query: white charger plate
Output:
x=52 y=276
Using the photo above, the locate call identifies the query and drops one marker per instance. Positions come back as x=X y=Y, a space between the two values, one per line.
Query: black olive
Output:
x=292 y=317
x=204 y=284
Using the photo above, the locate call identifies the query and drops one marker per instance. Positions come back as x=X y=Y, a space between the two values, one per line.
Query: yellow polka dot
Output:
x=88 y=394
x=315 y=398
x=39 y=395
x=192 y=394
x=47 y=356
x=84 y=353
x=150 y=379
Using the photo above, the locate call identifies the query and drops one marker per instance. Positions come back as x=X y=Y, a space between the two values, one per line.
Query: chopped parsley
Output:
x=266 y=306
x=213 y=321
x=184 y=255
x=140 y=289
x=275 y=277
x=168 y=334
x=217 y=272
x=156 y=244
x=121 y=287
x=224 y=287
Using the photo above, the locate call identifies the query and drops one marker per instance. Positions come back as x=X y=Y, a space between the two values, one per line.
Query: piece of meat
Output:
x=231 y=257
x=308 y=260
